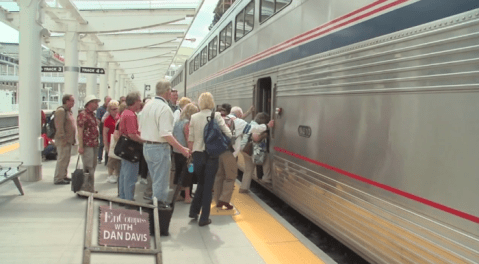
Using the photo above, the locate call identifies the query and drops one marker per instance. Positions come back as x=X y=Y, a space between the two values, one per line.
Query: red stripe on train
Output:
x=295 y=40
x=441 y=207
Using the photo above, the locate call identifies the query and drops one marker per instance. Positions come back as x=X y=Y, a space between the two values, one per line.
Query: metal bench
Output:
x=11 y=173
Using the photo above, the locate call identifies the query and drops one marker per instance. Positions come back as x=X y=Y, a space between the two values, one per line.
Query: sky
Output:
x=198 y=30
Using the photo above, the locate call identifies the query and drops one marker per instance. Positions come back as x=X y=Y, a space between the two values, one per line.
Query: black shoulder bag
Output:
x=128 y=149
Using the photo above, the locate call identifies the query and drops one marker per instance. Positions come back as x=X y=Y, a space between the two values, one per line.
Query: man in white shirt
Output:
x=236 y=114
x=156 y=126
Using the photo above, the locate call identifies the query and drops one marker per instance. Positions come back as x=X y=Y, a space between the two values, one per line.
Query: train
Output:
x=375 y=102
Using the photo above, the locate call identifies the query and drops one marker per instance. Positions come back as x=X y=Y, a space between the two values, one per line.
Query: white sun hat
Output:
x=90 y=98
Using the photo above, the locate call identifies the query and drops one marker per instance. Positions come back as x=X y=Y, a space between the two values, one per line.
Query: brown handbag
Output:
x=248 y=148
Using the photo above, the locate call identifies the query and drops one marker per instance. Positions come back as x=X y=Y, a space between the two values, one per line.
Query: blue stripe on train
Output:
x=412 y=15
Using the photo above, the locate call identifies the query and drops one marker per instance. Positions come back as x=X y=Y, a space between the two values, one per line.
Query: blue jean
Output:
x=158 y=158
x=205 y=170
x=127 y=181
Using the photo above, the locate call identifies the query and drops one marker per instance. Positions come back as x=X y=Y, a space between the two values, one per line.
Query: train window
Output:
x=244 y=21
x=192 y=68
x=197 y=62
x=226 y=37
x=280 y=4
x=212 y=48
x=204 y=56
x=229 y=35
x=222 y=40
x=271 y=7
x=249 y=18
x=239 y=32
x=266 y=10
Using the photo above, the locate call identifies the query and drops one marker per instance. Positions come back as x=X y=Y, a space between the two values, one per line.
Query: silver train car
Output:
x=376 y=107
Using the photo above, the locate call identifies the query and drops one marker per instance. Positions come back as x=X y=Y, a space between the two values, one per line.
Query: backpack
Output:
x=231 y=125
x=215 y=141
x=50 y=128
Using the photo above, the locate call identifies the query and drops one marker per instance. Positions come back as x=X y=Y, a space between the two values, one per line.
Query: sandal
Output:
x=187 y=201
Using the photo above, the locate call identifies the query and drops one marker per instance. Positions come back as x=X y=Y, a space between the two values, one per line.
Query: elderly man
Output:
x=156 y=126
x=88 y=141
x=129 y=128
x=227 y=166
x=64 y=138
x=173 y=99
x=100 y=112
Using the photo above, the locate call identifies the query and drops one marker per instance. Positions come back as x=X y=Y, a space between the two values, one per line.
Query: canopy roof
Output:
x=140 y=37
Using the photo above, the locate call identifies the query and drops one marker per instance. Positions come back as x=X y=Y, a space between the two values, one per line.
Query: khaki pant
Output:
x=63 y=160
x=267 y=176
x=89 y=159
x=249 y=169
x=225 y=177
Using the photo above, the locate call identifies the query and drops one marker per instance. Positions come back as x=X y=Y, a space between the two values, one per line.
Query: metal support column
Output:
x=104 y=80
x=122 y=85
x=71 y=68
x=117 y=84
x=111 y=83
x=91 y=79
x=30 y=84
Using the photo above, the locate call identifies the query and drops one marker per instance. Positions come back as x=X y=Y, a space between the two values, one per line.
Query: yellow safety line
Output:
x=9 y=148
x=272 y=240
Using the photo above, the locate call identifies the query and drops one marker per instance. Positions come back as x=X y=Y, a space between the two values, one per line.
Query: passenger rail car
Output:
x=376 y=137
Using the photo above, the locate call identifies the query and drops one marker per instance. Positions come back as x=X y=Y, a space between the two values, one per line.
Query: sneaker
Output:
x=143 y=181
x=99 y=161
x=112 y=179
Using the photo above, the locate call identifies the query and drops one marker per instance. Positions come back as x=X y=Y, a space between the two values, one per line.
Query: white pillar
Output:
x=122 y=84
x=71 y=68
x=91 y=79
x=104 y=80
x=111 y=83
x=60 y=94
x=29 y=90
x=117 y=85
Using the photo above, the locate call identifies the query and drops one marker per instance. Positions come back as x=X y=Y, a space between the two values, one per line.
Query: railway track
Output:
x=9 y=134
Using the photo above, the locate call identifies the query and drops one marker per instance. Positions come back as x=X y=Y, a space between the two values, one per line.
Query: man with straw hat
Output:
x=88 y=141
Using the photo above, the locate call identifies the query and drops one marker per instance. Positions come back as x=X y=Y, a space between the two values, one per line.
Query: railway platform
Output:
x=47 y=225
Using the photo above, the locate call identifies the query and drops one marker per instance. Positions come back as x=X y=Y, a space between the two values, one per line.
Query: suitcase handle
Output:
x=76 y=167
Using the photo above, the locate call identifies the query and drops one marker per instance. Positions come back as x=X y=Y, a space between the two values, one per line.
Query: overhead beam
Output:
x=140 y=57
x=115 y=44
x=72 y=9
x=158 y=68
x=12 y=19
x=138 y=64
x=149 y=66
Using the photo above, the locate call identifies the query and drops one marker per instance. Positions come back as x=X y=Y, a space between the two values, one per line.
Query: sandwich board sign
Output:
x=124 y=228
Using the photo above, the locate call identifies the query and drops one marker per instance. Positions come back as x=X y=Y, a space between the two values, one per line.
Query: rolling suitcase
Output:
x=77 y=178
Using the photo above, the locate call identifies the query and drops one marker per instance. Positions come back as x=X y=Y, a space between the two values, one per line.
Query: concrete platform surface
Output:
x=47 y=225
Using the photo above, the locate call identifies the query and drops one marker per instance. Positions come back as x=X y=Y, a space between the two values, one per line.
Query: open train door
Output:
x=264 y=101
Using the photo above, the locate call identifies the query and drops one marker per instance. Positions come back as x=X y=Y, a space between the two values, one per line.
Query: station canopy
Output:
x=141 y=37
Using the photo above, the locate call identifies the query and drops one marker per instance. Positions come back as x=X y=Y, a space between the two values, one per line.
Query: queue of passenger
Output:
x=167 y=132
